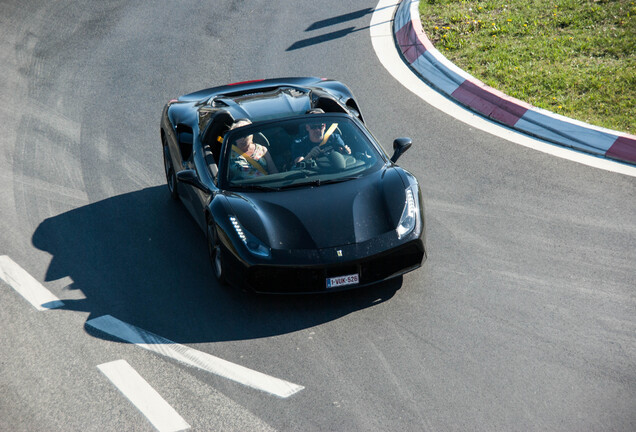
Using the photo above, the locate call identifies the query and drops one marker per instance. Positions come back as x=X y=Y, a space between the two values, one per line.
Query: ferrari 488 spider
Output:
x=292 y=191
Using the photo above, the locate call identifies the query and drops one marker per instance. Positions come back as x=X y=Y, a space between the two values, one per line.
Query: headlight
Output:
x=253 y=244
x=409 y=217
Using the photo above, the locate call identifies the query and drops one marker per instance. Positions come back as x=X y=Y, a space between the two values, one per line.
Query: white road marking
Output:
x=192 y=357
x=27 y=286
x=162 y=416
x=384 y=45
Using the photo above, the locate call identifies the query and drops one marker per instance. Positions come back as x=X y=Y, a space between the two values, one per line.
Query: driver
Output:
x=309 y=147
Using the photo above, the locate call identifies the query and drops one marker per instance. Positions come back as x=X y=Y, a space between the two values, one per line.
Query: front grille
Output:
x=273 y=279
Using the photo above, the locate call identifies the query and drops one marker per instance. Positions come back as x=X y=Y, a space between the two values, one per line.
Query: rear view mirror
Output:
x=400 y=145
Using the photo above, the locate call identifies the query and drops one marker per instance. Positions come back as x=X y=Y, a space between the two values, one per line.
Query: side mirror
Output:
x=400 y=145
x=190 y=177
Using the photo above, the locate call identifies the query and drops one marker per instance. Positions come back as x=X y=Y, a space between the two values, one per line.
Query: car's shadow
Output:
x=141 y=258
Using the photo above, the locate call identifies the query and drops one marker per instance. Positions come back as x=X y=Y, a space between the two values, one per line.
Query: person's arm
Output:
x=299 y=150
x=339 y=144
x=271 y=166
x=294 y=151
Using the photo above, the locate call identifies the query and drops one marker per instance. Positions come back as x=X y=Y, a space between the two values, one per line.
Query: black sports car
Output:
x=292 y=191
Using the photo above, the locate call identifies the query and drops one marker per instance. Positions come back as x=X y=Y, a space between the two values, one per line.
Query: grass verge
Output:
x=573 y=57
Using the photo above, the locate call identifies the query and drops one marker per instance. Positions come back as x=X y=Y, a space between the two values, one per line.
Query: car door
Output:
x=186 y=145
x=204 y=164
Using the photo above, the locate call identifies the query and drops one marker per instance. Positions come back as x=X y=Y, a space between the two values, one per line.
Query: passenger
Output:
x=249 y=159
x=310 y=145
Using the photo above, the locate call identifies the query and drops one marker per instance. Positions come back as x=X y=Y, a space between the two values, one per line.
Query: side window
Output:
x=185 y=139
x=214 y=134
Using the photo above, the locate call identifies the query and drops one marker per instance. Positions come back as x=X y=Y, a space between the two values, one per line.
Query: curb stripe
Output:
x=490 y=105
x=623 y=148
x=568 y=134
x=408 y=41
x=402 y=16
x=442 y=79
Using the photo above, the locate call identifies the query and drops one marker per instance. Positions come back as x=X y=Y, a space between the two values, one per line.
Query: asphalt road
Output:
x=523 y=317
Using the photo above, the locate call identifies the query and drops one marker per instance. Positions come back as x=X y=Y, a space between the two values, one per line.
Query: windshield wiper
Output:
x=256 y=187
x=295 y=185
x=318 y=182
x=337 y=180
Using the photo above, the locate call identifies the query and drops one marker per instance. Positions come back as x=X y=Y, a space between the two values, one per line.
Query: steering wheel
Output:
x=309 y=164
x=332 y=161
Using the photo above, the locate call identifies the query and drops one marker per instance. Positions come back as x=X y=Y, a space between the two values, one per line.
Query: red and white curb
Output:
x=438 y=72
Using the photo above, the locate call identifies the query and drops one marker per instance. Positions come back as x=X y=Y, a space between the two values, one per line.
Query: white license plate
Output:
x=343 y=280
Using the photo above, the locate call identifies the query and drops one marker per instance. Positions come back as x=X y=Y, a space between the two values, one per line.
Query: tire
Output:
x=171 y=175
x=215 y=253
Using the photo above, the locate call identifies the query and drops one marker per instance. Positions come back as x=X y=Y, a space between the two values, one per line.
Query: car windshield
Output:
x=313 y=150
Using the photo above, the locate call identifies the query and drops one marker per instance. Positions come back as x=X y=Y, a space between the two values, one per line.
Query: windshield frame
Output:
x=224 y=181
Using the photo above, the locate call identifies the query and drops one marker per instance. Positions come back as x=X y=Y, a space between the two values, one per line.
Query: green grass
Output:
x=573 y=57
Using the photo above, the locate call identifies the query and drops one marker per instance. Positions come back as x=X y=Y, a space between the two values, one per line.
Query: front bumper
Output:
x=311 y=278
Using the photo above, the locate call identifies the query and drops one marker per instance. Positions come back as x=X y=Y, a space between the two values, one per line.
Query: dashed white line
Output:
x=162 y=416
x=192 y=357
x=26 y=285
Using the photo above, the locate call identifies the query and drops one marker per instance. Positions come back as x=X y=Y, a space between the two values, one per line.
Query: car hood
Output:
x=323 y=216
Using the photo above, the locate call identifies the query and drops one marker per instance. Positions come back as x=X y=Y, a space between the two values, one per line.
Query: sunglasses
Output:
x=317 y=126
